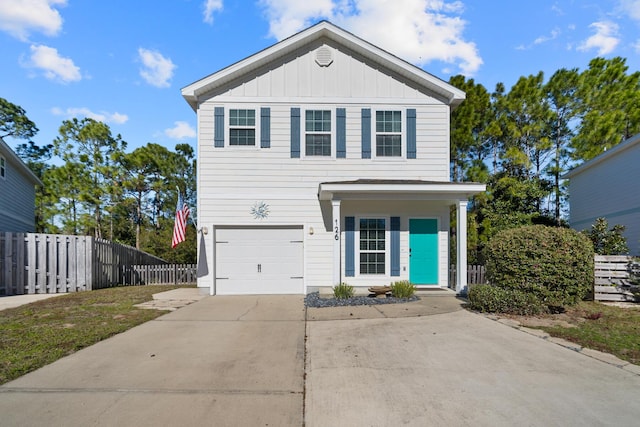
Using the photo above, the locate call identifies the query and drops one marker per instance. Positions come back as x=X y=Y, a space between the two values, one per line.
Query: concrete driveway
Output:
x=222 y=361
x=243 y=361
x=457 y=369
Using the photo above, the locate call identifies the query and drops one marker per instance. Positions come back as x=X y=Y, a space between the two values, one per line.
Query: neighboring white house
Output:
x=324 y=159
x=608 y=186
x=17 y=192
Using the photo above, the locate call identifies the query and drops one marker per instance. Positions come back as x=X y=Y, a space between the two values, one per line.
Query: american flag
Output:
x=180 y=224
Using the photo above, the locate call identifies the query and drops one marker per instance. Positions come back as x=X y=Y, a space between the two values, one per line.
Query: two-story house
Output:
x=325 y=159
x=17 y=192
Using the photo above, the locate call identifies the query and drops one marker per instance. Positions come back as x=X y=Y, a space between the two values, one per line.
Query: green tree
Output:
x=471 y=124
x=525 y=137
x=607 y=241
x=561 y=93
x=14 y=121
x=37 y=159
x=146 y=171
x=609 y=99
x=91 y=144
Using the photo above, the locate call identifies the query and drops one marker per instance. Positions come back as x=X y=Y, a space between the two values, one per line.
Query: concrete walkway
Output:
x=255 y=361
x=13 y=301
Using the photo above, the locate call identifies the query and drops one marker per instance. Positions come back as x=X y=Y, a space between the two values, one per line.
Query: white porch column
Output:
x=461 y=243
x=335 y=204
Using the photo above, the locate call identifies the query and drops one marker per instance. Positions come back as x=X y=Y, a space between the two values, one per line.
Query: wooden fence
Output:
x=612 y=275
x=170 y=274
x=32 y=263
x=475 y=274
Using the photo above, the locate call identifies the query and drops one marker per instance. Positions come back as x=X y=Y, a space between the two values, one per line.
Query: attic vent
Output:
x=324 y=56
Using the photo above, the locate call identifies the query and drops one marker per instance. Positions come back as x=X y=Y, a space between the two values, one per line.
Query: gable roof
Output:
x=449 y=94
x=618 y=149
x=16 y=161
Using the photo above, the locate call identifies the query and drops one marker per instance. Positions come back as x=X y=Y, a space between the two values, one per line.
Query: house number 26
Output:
x=336 y=231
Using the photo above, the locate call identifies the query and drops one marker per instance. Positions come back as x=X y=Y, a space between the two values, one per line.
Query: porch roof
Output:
x=400 y=189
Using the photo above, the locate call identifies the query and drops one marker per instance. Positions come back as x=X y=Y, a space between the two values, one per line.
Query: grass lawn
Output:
x=39 y=333
x=597 y=326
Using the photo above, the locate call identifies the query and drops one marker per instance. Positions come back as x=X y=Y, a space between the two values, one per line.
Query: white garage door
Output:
x=259 y=261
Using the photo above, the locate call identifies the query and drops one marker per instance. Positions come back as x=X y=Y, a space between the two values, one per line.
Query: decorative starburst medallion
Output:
x=260 y=210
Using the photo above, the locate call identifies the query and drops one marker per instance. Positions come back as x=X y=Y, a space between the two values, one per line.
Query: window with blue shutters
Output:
x=317 y=133
x=372 y=245
x=388 y=134
x=242 y=127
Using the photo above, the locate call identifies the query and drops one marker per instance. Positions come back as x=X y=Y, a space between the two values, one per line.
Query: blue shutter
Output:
x=349 y=246
x=218 y=124
x=366 y=133
x=295 y=132
x=411 y=133
x=265 y=127
x=341 y=133
x=395 y=245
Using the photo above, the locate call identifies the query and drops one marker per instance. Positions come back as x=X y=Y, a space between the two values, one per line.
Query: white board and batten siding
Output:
x=607 y=186
x=233 y=179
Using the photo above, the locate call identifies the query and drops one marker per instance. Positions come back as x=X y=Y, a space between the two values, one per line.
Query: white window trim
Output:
x=3 y=167
x=403 y=135
x=387 y=249
x=303 y=132
x=227 y=130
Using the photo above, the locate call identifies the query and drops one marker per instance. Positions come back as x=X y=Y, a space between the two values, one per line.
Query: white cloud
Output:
x=54 y=66
x=631 y=8
x=211 y=6
x=543 y=39
x=103 y=116
x=19 y=18
x=420 y=31
x=181 y=130
x=604 y=40
x=157 y=70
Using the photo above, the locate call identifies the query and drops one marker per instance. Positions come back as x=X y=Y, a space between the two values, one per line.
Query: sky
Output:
x=124 y=62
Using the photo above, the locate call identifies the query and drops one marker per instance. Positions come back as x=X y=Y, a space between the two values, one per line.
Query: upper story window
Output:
x=372 y=245
x=3 y=167
x=388 y=134
x=242 y=127
x=317 y=133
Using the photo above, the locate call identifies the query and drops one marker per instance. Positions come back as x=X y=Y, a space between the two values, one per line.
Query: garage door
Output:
x=259 y=261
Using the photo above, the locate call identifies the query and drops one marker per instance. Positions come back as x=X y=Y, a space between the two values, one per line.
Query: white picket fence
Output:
x=33 y=263
x=170 y=274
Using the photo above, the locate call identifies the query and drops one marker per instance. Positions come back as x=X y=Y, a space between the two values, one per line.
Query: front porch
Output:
x=413 y=214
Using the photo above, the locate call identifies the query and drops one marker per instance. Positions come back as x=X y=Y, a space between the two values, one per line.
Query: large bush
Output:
x=555 y=264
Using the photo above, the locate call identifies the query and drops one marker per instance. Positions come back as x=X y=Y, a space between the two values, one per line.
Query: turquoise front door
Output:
x=423 y=251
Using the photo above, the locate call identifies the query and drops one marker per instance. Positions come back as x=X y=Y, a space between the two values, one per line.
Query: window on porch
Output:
x=372 y=245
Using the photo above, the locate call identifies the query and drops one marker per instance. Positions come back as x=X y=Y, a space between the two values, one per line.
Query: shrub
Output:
x=554 y=264
x=607 y=241
x=402 y=289
x=492 y=299
x=343 y=291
